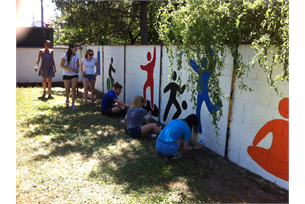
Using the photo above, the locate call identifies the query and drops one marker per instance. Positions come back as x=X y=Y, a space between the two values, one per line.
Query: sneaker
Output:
x=85 y=102
x=153 y=135
x=67 y=101
x=73 y=106
x=50 y=97
x=162 y=157
x=176 y=156
x=92 y=100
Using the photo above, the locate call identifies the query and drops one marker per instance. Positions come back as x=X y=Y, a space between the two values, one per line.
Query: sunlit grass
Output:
x=80 y=156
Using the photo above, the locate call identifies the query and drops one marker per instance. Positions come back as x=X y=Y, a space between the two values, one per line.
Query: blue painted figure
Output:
x=204 y=95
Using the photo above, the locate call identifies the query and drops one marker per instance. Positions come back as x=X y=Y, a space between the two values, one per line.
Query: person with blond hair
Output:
x=175 y=133
x=89 y=75
x=137 y=119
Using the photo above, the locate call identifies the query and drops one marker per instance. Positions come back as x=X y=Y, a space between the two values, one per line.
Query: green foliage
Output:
x=197 y=26
x=102 y=22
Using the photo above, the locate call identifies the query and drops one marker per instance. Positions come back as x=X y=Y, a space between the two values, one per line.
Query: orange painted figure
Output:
x=150 y=77
x=276 y=159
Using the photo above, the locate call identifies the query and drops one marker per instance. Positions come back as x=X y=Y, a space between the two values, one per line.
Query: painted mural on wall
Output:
x=110 y=80
x=274 y=160
x=149 y=67
x=203 y=95
x=174 y=88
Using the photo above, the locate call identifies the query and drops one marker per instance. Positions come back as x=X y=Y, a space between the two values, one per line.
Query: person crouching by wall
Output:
x=137 y=119
x=111 y=105
x=176 y=132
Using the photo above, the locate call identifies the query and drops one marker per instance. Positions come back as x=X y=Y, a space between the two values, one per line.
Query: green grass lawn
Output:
x=80 y=156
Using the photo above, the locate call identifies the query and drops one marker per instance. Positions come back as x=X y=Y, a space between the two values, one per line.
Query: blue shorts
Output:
x=135 y=132
x=167 y=149
x=89 y=76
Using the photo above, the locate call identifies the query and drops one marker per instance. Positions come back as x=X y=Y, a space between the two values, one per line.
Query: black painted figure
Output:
x=173 y=87
x=154 y=112
x=111 y=69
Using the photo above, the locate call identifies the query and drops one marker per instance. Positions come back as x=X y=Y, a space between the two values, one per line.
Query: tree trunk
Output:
x=143 y=22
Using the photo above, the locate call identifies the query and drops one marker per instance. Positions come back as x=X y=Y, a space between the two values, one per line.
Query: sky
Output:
x=29 y=11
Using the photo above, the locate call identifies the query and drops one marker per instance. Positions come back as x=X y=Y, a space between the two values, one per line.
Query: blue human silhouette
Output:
x=203 y=95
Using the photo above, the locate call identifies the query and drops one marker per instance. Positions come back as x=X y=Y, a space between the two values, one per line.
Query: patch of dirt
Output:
x=231 y=183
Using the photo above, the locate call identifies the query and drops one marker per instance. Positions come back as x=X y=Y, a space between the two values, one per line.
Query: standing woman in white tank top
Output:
x=89 y=75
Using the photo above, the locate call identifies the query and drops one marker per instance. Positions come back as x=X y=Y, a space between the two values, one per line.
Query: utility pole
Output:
x=42 y=13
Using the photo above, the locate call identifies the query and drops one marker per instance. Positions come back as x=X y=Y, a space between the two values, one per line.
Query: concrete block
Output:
x=250 y=96
x=244 y=140
x=260 y=110
x=243 y=157
x=274 y=101
x=238 y=105
x=221 y=141
x=246 y=130
x=261 y=74
x=220 y=150
x=253 y=84
x=258 y=122
x=237 y=115
x=249 y=108
x=252 y=73
x=233 y=146
x=233 y=157
x=247 y=119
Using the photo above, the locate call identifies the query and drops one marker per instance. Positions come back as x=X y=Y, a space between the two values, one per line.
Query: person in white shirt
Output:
x=70 y=64
x=89 y=75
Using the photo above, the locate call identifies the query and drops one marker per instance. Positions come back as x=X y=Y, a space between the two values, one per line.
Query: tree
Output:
x=196 y=27
x=106 y=22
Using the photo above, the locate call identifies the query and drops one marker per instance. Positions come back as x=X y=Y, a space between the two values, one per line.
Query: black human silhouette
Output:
x=154 y=112
x=111 y=69
x=173 y=87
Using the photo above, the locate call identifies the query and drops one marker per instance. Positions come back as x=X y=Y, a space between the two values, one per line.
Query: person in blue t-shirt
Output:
x=111 y=105
x=138 y=121
x=176 y=132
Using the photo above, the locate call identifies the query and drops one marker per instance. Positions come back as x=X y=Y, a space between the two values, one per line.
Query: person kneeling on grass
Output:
x=111 y=105
x=174 y=133
x=137 y=119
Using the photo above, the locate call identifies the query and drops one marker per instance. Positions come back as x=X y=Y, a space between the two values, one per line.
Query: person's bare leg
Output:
x=44 y=84
x=116 y=110
x=74 y=85
x=49 y=85
x=149 y=127
x=92 y=83
x=86 y=86
x=67 y=88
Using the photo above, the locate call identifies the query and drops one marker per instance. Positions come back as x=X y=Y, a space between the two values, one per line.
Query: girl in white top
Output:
x=70 y=64
x=89 y=75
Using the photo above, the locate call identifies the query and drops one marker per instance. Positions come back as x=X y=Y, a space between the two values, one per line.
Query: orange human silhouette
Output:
x=276 y=159
x=150 y=77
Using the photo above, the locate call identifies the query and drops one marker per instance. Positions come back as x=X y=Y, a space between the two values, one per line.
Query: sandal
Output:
x=73 y=107
x=44 y=94
x=67 y=101
x=50 y=97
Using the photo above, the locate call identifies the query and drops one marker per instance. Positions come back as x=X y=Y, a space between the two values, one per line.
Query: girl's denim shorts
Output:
x=167 y=149
x=89 y=76
x=135 y=132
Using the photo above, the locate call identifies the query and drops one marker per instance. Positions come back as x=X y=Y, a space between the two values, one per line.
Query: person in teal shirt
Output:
x=176 y=132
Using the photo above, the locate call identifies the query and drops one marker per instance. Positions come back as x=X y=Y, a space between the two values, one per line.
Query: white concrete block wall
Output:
x=136 y=77
x=250 y=112
x=26 y=61
x=117 y=54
